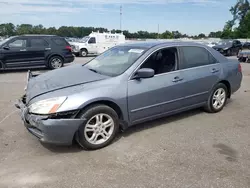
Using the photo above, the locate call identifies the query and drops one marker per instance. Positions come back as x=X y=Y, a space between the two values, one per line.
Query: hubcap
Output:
x=219 y=98
x=56 y=63
x=99 y=129
x=84 y=53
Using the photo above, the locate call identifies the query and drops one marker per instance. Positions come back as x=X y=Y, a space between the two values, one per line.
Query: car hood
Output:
x=59 y=79
x=221 y=46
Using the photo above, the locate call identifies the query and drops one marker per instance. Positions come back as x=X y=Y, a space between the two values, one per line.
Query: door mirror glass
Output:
x=6 y=47
x=144 y=73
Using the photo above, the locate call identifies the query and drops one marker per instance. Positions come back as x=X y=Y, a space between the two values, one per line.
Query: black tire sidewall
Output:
x=210 y=101
x=88 y=114
x=50 y=60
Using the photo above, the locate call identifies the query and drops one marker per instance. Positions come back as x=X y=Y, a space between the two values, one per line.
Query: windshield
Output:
x=84 y=39
x=225 y=43
x=5 y=40
x=115 y=61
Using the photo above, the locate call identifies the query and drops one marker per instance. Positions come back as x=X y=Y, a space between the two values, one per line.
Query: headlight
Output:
x=77 y=47
x=48 y=106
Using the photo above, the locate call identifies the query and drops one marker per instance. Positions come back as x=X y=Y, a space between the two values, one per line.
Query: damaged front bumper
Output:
x=244 y=56
x=54 y=129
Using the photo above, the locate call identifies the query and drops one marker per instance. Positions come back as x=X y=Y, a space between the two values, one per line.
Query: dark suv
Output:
x=35 y=51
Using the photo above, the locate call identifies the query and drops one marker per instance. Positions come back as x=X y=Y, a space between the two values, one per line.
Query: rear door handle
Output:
x=214 y=70
x=23 y=50
x=47 y=48
x=177 y=79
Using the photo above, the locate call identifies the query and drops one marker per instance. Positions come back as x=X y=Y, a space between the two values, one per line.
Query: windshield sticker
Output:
x=136 y=51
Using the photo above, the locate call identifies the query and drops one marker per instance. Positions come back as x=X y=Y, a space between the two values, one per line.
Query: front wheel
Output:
x=83 y=53
x=217 y=99
x=229 y=52
x=100 y=129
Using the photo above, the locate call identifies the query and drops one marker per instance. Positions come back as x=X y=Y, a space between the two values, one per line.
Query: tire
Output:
x=55 y=62
x=85 y=135
x=83 y=53
x=229 y=52
x=210 y=106
x=237 y=52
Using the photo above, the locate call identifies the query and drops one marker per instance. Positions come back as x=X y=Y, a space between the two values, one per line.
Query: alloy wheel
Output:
x=219 y=98
x=99 y=129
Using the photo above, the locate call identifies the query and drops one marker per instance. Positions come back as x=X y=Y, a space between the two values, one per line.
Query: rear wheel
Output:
x=55 y=62
x=100 y=129
x=217 y=99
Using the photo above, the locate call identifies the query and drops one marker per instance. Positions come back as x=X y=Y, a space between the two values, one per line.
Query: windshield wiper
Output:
x=93 y=70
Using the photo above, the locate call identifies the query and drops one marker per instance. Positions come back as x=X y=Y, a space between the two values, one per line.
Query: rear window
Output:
x=60 y=41
x=196 y=56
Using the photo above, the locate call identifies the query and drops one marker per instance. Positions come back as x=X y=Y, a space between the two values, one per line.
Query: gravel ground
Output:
x=190 y=150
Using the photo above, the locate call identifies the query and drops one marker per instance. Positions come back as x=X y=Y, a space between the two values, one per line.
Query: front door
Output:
x=157 y=96
x=15 y=53
x=92 y=46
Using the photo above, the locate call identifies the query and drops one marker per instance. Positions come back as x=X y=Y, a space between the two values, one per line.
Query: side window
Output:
x=92 y=40
x=195 y=56
x=162 y=61
x=38 y=42
x=19 y=43
x=60 y=41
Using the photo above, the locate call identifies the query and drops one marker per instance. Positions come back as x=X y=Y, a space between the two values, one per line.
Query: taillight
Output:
x=239 y=67
x=69 y=48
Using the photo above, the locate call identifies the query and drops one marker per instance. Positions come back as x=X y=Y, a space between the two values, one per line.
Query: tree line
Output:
x=238 y=27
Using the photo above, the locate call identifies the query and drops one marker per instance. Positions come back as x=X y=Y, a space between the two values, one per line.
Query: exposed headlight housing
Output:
x=48 y=106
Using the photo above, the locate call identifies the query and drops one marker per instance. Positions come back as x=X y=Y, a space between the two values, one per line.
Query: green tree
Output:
x=167 y=35
x=7 y=29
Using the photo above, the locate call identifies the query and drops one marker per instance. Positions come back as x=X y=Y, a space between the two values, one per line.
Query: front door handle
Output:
x=214 y=70
x=23 y=50
x=177 y=79
x=47 y=48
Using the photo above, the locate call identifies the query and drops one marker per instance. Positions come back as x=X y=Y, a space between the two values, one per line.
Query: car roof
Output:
x=146 y=44
x=37 y=35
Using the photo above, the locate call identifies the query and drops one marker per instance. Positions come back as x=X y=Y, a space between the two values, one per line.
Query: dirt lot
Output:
x=190 y=150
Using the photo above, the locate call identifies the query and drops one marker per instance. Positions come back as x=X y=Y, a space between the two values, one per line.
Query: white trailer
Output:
x=96 y=43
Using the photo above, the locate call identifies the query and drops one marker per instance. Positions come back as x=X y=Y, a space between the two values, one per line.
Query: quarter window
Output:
x=19 y=43
x=38 y=43
x=195 y=57
x=60 y=41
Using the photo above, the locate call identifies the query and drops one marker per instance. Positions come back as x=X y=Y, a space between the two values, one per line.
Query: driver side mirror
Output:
x=144 y=73
x=6 y=47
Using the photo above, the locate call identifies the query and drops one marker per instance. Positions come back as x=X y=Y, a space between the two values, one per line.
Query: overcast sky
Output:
x=187 y=16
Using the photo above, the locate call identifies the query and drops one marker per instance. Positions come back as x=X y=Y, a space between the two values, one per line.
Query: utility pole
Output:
x=121 y=18
x=158 y=31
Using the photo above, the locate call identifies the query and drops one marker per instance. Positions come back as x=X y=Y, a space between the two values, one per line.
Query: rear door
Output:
x=200 y=71
x=16 y=55
x=38 y=47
